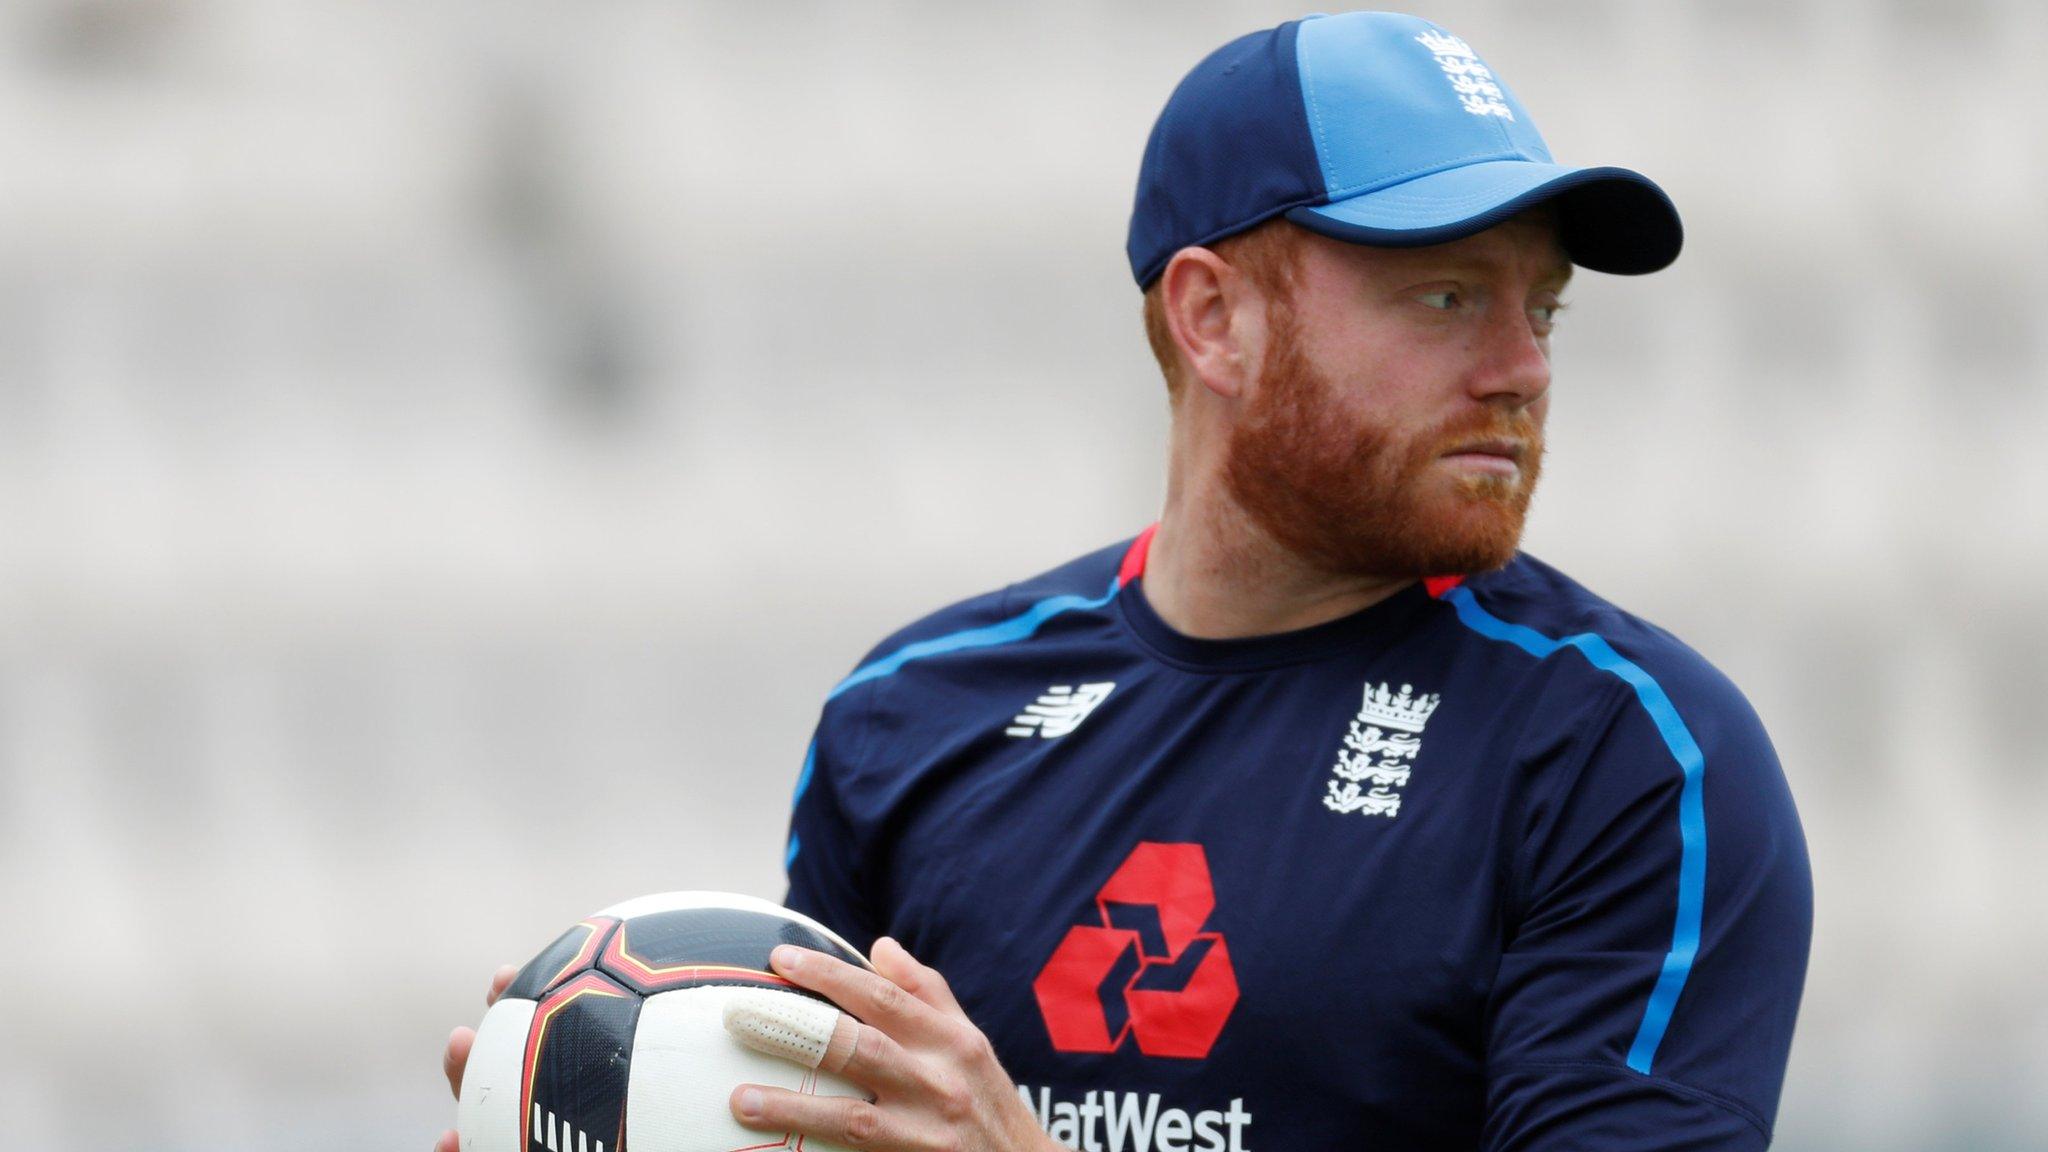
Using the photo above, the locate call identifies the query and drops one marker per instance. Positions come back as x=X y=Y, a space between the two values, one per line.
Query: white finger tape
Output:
x=783 y=1024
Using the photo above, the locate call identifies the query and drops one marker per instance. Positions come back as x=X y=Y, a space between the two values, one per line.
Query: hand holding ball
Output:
x=616 y=1036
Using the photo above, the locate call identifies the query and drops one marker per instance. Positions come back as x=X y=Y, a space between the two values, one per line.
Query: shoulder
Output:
x=1533 y=607
x=1622 y=703
x=992 y=618
x=1080 y=581
x=944 y=651
x=1670 y=728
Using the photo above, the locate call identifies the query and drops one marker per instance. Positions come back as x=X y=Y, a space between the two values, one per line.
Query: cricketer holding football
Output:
x=1316 y=815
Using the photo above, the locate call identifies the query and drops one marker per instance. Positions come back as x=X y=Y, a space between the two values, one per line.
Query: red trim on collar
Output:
x=1141 y=549
x=1134 y=559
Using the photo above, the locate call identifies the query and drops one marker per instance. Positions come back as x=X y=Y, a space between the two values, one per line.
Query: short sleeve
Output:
x=823 y=857
x=1656 y=952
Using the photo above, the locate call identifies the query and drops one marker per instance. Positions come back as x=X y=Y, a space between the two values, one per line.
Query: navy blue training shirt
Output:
x=1490 y=864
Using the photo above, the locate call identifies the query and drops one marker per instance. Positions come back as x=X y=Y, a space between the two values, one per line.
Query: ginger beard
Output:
x=1350 y=498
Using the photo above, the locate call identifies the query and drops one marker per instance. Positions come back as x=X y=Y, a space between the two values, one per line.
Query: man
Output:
x=1315 y=816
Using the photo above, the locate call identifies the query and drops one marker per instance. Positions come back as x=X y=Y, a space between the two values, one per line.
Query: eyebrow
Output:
x=1559 y=273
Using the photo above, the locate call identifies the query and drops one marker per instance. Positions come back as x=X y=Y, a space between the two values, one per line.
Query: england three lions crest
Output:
x=1379 y=751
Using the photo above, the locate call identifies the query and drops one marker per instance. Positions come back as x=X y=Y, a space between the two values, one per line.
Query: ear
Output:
x=1217 y=317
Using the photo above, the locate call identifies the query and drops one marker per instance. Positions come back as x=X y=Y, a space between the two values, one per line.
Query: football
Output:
x=613 y=1039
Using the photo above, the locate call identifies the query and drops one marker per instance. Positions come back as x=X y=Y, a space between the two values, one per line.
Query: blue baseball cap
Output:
x=1376 y=128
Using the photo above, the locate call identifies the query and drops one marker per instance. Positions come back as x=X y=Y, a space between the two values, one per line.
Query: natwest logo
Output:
x=1148 y=970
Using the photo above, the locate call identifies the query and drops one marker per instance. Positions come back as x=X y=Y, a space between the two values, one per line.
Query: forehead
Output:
x=1525 y=245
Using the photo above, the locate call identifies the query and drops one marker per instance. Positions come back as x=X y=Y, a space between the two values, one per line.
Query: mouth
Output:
x=1500 y=456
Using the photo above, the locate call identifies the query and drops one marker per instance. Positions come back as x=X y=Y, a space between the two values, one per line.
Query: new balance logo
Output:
x=1059 y=711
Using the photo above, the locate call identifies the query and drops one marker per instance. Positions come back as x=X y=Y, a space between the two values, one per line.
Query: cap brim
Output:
x=1611 y=219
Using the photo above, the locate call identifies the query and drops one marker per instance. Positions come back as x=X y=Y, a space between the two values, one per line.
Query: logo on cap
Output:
x=1469 y=78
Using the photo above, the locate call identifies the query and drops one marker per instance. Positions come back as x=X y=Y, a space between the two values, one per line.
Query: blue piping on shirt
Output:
x=1692 y=817
x=1018 y=627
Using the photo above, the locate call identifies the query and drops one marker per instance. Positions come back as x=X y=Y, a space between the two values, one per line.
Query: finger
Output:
x=893 y=960
x=449 y=1142
x=500 y=980
x=867 y=995
x=841 y=1120
x=456 y=1058
x=814 y=1035
x=867 y=1056
x=786 y=1026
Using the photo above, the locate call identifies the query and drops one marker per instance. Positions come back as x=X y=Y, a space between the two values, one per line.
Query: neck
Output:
x=1214 y=574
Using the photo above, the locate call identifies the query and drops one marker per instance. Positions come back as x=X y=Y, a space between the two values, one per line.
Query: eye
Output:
x=1442 y=300
x=1545 y=315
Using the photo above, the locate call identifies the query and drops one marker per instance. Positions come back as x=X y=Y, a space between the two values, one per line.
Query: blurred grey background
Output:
x=448 y=450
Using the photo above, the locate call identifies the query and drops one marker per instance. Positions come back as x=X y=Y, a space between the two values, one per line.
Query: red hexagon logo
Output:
x=1148 y=970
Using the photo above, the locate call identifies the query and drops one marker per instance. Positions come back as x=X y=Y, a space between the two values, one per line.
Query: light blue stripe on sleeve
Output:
x=803 y=784
x=803 y=778
x=1019 y=627
x=1692 y=817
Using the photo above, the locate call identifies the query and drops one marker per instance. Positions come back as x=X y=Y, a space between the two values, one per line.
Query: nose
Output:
x=1515 y=363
